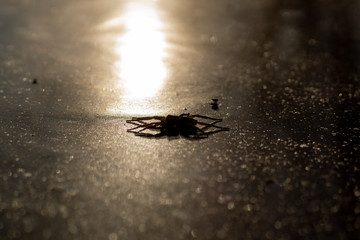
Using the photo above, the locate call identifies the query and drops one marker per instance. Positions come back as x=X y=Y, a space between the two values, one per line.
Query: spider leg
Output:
x=200 y=134
x=212 y=125
x=203 y=133
x=135 y=122
x=140 y=122
x=208 y=125
x=144 y=127
x=138 y=126
x=150 y=126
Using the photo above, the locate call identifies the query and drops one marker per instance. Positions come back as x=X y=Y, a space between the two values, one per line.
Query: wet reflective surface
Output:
x=287 y=78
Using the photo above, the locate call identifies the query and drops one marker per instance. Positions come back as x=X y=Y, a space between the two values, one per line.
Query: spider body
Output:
x=180 y=125
x=185 y=124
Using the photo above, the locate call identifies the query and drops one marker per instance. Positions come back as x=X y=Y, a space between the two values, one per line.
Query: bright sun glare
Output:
x=141 y=51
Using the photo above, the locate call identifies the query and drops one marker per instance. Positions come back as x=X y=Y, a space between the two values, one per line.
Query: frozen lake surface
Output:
x=286 y=76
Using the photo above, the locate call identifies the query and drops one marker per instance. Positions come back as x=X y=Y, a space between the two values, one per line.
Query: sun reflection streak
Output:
x=141 y=51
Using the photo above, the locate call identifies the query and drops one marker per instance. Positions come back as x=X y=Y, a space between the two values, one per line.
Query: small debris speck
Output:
x=214 y=104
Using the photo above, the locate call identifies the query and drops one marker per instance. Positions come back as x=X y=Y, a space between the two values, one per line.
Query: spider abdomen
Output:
x=180 y=125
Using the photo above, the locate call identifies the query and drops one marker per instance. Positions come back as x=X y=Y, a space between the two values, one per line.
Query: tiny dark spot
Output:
x=214 y=104
x=34 y=81
x=269 y=181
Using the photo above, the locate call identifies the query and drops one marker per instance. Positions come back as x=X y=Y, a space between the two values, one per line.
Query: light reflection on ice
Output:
x=141 y=52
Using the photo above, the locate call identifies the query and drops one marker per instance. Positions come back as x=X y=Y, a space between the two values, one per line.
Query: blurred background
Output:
x=286 y=76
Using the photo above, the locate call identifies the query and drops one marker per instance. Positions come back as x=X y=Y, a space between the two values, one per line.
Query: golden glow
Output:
x=141 y=52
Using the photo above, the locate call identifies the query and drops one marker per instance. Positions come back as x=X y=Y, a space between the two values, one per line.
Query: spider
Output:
x=171 y=125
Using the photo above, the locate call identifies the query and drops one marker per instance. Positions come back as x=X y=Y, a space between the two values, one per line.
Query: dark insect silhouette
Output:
x=186 y=125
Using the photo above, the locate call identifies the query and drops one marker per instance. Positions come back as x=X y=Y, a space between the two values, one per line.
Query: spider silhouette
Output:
x=186 y=125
